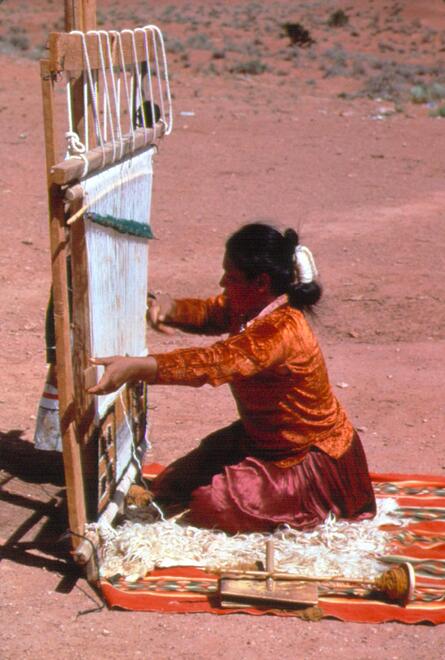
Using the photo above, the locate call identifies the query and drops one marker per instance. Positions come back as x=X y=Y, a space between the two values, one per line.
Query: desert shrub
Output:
x=20 y=41
x=168 y=14
x=38 y=53
x=174 y=46
x=211 y=69
x=358 y=68
x=437 y=91
x=397 y=80
x=419 y=94
x=438 y=112
x=101 y=17
x=337 y=62
x=290 y=55
x=338 y=18
x=200 y=42
x=232 y=47
x=298 y=34
x=383 y=85
x=426 y=93
x=250 y=67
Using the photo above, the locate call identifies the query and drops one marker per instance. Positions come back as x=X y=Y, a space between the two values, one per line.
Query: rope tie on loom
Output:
x=115 y=89
x=305 y=264
x=76 y=148
x=111 y=88
x=137 y=68
x=134 y=75
x=92 y=89
x=107 y=116
x=150 y=83
x=118 y=36
x=156 y=31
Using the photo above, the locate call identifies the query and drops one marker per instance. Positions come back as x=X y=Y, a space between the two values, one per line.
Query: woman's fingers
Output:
x=154 y=312
x=102 y=387
x=113 y=376
x=158 y=308
x=166 y=329
x=121 y=369
x=103 y=361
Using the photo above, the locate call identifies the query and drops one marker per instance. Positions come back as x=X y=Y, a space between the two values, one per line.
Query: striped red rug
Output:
x=420 y=498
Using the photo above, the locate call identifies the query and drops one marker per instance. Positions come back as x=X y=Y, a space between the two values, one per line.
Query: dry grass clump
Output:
x=338 y=18
x=249 y=67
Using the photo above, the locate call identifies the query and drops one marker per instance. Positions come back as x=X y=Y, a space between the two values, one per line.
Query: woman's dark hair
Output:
x=259 y=248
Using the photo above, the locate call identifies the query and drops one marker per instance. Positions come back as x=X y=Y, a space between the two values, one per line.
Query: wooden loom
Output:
x=98 y=471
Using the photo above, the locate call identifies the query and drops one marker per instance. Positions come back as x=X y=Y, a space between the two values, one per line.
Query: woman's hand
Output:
x=160 y=307
x=120 y=370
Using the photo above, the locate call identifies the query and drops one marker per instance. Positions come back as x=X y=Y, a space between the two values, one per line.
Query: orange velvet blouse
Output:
x=276 y=372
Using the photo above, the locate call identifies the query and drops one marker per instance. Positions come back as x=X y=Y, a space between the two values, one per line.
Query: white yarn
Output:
x=118 y=263
x=76 y=149
x=307 y=270
x=107 y=92
x=334 y=548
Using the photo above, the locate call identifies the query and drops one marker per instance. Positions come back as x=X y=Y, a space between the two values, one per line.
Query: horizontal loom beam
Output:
x=66 y=51
x=72 y=168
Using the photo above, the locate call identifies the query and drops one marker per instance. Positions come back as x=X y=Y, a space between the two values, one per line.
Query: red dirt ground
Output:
x=361 y=175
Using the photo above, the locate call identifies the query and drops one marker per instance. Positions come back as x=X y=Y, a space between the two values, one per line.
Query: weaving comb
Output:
x=245 y=591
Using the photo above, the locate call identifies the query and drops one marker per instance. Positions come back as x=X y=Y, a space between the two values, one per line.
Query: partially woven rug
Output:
x=166 y=567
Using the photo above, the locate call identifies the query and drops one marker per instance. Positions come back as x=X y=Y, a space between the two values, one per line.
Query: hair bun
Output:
x=291 y=236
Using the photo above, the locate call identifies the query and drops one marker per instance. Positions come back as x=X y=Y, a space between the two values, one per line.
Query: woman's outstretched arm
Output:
x=120 y=370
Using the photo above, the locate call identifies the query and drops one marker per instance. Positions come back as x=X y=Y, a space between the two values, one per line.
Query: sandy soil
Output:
x=324 y=138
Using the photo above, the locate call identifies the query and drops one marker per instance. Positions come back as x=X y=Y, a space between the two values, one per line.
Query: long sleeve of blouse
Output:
x=211 y=315
x=241 y=355
x=278 y=378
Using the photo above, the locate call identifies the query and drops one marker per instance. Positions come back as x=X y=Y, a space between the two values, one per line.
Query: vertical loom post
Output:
x=71 y=449
x=80 y=15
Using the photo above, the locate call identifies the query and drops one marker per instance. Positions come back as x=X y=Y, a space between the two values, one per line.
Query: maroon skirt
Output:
x=227 y=490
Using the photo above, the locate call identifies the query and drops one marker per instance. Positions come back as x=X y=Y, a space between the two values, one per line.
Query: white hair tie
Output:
x=306 y=268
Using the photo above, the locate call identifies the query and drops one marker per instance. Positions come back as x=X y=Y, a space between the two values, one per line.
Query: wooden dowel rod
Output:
x=72 y=169
x=74 y=193
x=103 y=193
x=264 y=575
x=270 y=563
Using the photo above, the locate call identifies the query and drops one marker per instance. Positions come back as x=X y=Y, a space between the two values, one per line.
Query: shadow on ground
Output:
x=20 y=459
x=33 y=514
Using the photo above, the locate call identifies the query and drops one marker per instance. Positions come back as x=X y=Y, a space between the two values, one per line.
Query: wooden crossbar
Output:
x=66 y=51
x=72 y=169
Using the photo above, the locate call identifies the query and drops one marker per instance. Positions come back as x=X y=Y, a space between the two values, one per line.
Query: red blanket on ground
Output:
x=422 y=542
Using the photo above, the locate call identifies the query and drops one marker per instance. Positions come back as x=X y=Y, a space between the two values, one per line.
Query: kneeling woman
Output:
x=293 y=457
